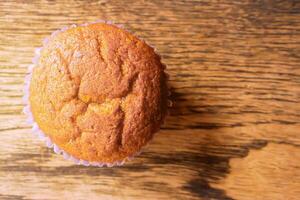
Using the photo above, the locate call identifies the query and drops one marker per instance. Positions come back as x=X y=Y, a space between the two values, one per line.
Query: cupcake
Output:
x=96 y=94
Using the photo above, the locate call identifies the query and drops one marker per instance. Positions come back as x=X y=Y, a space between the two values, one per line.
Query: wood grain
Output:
x=233 y=132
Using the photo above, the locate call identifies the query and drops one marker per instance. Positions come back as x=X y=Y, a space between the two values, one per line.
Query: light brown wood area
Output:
x=234 y=130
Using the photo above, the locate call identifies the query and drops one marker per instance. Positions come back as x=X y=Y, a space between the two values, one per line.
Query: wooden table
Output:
x=234 y=130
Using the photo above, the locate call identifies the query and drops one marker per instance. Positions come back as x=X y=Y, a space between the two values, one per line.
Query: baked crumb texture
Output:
x=98 y=92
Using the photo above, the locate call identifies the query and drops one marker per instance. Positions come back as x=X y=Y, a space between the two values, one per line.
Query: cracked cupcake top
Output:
x=98 y=92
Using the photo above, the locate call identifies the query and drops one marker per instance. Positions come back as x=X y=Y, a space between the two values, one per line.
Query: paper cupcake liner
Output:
x=35 y=128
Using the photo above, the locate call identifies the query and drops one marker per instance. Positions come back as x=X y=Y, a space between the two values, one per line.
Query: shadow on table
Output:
x=211 y=156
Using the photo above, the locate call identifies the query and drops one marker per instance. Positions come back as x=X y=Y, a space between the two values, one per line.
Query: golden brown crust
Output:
x=98 y=92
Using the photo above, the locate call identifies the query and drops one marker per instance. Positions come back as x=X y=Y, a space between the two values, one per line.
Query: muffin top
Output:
x=98 y=92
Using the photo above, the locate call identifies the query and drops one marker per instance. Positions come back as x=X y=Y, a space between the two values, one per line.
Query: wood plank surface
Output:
x=234 y=129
